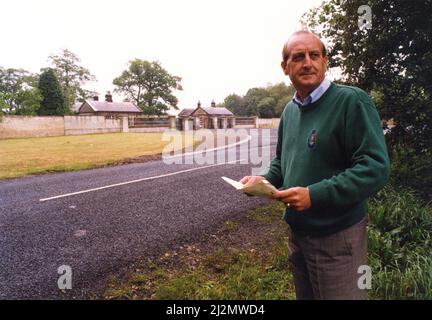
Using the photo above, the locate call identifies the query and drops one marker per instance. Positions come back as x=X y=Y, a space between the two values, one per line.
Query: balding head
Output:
x=286 y=50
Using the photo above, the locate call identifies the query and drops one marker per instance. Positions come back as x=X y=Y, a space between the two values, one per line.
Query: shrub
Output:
x=400 y=242
x=412 y=169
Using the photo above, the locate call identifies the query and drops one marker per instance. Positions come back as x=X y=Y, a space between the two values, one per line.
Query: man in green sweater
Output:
x=330 y=157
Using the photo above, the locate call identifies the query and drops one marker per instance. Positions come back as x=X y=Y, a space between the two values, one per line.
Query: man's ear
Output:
x=284 y=66
x=326 y=61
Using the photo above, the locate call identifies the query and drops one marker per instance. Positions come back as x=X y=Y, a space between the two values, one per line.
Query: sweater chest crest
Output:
x=312 y=139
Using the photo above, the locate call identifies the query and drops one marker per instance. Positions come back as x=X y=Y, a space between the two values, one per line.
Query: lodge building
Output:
x=206 y=118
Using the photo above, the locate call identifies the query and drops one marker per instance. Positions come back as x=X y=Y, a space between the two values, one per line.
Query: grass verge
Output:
x=20 y=157
x=247 y=258
x=400 y=245
x=244 y=259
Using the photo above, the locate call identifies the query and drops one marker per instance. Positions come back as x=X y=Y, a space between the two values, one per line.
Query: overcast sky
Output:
x=216 y=47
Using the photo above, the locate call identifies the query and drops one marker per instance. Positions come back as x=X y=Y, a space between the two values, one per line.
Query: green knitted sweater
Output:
x=335 y=147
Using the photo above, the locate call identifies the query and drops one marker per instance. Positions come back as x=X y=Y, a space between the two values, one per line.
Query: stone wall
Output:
x=26 y=126
x=75 y=125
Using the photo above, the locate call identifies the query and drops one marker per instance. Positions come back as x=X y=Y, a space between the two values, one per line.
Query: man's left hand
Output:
x=297 y=198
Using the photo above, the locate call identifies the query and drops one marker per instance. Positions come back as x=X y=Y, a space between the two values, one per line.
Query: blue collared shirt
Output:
x=314 y=95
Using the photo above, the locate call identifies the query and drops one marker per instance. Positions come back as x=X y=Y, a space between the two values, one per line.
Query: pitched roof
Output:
x=103 y=106
x=217 y=111
x=186 y=112
x=210 y=111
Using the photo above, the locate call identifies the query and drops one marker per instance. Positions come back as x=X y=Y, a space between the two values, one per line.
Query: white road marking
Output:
x=135 y=181
x=80 y=233
x=210 y=150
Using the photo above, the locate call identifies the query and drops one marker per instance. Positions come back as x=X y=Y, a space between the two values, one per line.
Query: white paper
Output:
x=262 y=188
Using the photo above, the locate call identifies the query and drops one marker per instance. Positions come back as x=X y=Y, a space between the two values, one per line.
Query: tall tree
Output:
x=266 y=107
x=391 y=58
x=253 y=98
x=53 y=102
x=235 y=104
x=72 y=76
x=282 y=94
x=148 y=85
x=18 y=92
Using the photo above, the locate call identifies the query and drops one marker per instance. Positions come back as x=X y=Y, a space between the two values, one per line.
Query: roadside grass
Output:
x=20 y=157
x=400 y=245
x=245 y=259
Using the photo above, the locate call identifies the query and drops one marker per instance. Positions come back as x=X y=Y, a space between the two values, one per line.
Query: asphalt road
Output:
x=99 y=232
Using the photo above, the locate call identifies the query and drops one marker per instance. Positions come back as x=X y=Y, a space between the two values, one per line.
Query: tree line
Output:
x=265 y=102
x=58 y=87
x=147 y=84
x=390 y=57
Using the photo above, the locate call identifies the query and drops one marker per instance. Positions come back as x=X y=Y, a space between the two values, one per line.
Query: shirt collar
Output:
x=314 y=95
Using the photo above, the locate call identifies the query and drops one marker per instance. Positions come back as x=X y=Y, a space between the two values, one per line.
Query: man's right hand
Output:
x=249 y=180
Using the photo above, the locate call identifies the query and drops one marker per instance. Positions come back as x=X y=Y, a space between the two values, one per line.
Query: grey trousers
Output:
x=327 y=267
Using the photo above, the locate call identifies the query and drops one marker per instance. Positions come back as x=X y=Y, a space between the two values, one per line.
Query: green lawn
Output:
x=20 y=157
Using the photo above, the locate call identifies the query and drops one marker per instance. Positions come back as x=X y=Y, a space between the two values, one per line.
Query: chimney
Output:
x=213 y=104
x=96 y=98
x=199 y=104
x=108 y=97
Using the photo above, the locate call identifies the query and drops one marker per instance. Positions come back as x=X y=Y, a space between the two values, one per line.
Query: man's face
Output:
x=306 y=65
